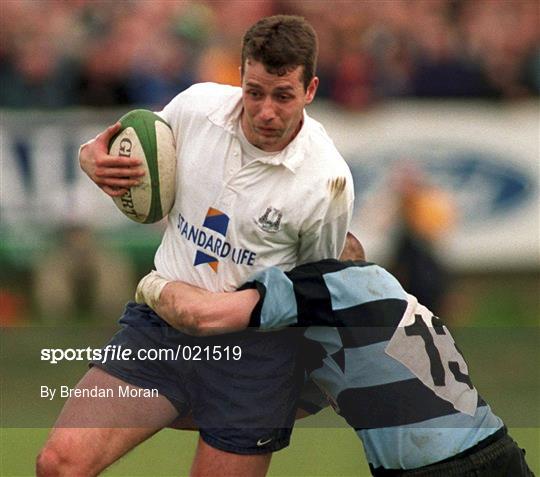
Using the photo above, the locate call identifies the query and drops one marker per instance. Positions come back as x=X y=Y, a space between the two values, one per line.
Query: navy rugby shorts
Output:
x=244 y=406
x=496 y=456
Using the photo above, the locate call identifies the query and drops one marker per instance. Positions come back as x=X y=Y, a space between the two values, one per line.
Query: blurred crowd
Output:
x=60 y=53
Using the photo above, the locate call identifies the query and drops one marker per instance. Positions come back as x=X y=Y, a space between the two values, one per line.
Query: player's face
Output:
x=273 y=105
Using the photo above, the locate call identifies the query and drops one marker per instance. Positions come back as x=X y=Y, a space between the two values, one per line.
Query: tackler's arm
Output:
x=196 y=311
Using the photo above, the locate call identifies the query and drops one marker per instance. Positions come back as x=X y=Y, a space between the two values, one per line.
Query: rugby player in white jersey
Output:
x=259 y=184
x=384 y=362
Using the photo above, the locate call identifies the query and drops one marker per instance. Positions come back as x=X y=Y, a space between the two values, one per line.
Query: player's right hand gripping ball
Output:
x=146 y=136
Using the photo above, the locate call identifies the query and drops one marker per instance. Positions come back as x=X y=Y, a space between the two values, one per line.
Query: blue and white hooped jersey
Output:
x=386 y=363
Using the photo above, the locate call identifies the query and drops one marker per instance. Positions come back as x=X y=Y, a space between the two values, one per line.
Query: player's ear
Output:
x=312 y=89
x=353 y=249
x=242 y=71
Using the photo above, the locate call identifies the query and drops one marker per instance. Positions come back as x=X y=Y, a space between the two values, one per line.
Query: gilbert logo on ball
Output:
x=146 y=136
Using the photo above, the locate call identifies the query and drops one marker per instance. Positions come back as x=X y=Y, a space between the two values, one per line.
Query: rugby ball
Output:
x=146 y=136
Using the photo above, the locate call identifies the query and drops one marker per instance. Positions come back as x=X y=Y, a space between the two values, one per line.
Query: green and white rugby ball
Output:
x=146 y=136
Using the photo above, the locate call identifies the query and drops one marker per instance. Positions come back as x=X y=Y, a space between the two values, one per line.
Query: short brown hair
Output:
x=282 y=43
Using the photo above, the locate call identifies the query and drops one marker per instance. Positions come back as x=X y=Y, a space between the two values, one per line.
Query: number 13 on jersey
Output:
x=424 y=345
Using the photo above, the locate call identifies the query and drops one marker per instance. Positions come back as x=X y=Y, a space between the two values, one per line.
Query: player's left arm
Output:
x=194 y=310
x=323 y=234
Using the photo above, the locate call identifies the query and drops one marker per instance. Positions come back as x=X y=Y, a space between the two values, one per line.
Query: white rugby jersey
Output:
x=229 y=220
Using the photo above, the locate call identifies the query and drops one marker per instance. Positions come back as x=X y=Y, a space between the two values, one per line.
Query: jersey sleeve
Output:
x=173 y=113
x=324 y=233
x=277 y=305
x=297 y=298
x=328 y=293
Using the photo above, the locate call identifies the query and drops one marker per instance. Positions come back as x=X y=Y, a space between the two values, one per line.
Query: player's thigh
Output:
x=209 y=461
x=99 y=430
x=103 y=400
x=87 y=451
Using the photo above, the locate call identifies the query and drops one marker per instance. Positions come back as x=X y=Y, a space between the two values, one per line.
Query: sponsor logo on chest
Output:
x=211 y=242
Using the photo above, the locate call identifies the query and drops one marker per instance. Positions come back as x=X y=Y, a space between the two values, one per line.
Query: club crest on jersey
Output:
x=270 y=221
